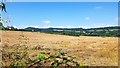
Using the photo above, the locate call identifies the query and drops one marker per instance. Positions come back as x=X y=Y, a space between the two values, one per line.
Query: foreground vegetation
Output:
x=43 y=59
x=18 y=56
x=19 y=46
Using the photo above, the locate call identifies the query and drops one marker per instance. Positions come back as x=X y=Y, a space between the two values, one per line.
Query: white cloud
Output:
x=98 y=7
x=69 y=26
x=46 y=22
x=15 y=26
x=97 y=26
x=87 y=18
x=32 y=26
x=38 y=26
x=52 y=26
x=19 y=27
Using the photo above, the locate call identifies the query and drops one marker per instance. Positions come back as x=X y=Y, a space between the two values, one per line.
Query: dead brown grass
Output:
x=92 y=51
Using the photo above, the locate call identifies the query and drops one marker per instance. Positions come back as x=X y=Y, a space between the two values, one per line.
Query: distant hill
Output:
x=51 y=29
x=111 y=27
x=112 y=31
x=102 y=31
x=75 y=29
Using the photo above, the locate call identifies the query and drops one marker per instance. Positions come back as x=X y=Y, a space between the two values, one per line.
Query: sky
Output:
x=63 y=0
x=61 y=14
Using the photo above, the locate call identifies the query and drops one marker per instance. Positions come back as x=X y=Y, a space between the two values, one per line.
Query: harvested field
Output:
x=92 y=51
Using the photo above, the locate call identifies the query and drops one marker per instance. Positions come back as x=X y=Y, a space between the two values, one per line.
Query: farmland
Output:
x=89 y=50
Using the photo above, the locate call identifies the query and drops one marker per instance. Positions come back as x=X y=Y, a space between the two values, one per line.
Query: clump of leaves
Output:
x=59 y=59
x=45 y=59
x=17 y=63
x=20 y=59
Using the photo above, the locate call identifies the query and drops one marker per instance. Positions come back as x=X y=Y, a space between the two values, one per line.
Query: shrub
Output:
x=46 y=59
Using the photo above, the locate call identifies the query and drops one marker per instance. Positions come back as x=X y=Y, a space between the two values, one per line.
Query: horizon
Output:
x=62 y=14
x=64 y=27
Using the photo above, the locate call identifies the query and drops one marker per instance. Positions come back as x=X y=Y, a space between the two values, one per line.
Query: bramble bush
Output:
x=45 y=59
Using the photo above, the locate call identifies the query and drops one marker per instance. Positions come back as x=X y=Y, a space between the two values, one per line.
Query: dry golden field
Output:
x=92 y=51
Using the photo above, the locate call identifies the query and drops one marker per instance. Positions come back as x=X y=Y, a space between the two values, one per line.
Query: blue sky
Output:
x=61 y=14
x=63 y=0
